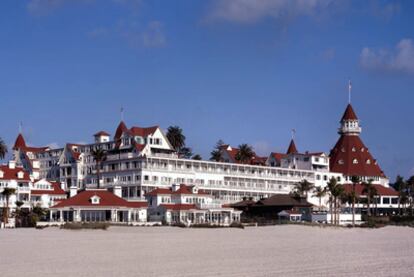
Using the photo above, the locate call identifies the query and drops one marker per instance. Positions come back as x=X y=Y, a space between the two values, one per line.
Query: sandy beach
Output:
x=164 y=251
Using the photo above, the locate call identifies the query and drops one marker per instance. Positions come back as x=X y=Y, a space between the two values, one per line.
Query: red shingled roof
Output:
x=56 y=190
x=381 y=190
x=107 y=199
x=143 y=132
x=346 y=150
x=349 y=114
x=179 y=207
x=11 y=173
x=183 y=189
x=292 y=148
x=20 y=143
x=121 y=129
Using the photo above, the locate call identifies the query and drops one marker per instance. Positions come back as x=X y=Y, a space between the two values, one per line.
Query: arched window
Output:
x=368 y=161
x=355 y=161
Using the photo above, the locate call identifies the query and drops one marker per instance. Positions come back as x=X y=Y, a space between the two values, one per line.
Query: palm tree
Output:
x=245 y=153
x=197 y=157
x=320 y=192
x=7 y=192
x=3 y=149
x=216 y=153
x=185 y=152
x=410 y=192
x=367 y=190
x=176 y=137
x=18 y=214
x=99 y=155
x=401 y=186
x=303 y=187
x=355 y=180
x=336 y=191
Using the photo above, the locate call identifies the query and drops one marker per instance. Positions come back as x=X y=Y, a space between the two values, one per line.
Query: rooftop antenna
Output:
x=20 y=127
x=122 y=113
x=349 y=91
x=293 y=134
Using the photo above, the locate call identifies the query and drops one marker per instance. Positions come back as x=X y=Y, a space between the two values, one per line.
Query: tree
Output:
x=303 y=187
x=320 y=192
x=401 y=186
x=367 y=190
x=3 y=149
x=216 y=153
x=18 y=213
x=197 y=157
x=99 y=155
x=176 y=137
x=7 y=192
x=185 y=152
x=355 y=180
x=245 y=153
x=410 y=193
x=335 y=191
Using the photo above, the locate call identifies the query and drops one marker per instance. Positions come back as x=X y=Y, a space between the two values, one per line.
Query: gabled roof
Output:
x=349 y=114
x=277 y=156
x=20 y=144
x=11 y=173
x=381 y=190
x=120 y=129
x=143 y=132
x=107 y=199
x=292 y=148
x=56 y=190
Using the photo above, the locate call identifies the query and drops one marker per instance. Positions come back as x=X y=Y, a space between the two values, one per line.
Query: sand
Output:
x=165 y=251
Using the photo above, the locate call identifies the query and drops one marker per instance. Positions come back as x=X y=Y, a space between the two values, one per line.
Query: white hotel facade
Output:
x=142 y=159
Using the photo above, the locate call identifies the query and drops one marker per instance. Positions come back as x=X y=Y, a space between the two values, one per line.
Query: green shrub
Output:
x=88 y=226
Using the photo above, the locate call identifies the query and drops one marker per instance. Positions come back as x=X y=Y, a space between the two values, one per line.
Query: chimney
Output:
x=118 y=191
x=12 y=164
x=73 y=191
x=63 y=185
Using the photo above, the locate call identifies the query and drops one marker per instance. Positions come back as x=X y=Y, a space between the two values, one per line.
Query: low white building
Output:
x=98 y=205
x=188 y=205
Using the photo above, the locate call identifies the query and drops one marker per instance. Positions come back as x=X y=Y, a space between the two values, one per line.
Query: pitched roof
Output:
x=292 y=148
x=11 y=173
x=349 y=113
x=120 y=129
x=56 y=190
x=277 y=156
x=179 y=207
x=107 y=199
x=20 y=142
x=101 y=133
x=183 y=189
x=351 y=157
x=381 y=190
x=284 y=200
x=143 y=132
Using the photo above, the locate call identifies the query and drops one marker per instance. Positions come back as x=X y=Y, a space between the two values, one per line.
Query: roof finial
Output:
x=349 y=91
x=293 y=134
x=20 y=127
x=122 y=113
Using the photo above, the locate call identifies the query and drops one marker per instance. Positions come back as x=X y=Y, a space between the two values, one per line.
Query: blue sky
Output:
x=243 y=71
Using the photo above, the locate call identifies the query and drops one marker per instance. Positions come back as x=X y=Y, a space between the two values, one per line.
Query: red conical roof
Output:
x=292 y=148
x=349 y=114
x=121 y=128
x=20 y=142
x=350 y=157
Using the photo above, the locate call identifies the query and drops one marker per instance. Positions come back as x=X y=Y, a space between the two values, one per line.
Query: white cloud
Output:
x=250 y=11
x=400 y=59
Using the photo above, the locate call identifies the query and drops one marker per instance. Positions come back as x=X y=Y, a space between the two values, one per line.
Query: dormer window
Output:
x=353 y=149
x=341 y=162
x=95 y=200
x=343 y=150
x=355 y=161
x=368 y=161
x=362 y=149
x=1 y=174
x=20 y=174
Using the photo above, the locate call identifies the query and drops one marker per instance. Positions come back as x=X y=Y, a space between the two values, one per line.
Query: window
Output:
x=341 y=162
x=355 y=161
x=368 y=161
x=394 y=200
x=353 y=149
x=385 y=200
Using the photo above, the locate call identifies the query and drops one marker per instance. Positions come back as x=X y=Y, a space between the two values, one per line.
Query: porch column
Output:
x=50 y=215
x=61 y=216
